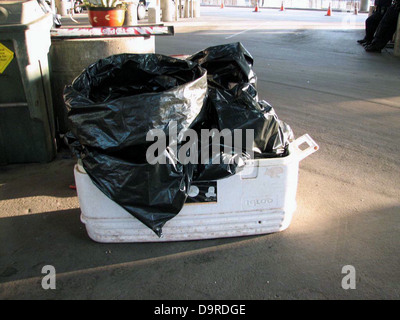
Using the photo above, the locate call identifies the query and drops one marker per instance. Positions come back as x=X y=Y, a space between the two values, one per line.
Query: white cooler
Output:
x=260 y=199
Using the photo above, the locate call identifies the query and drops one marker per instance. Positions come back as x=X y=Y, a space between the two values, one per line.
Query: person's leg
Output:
x=371 y=24
x=385 y=30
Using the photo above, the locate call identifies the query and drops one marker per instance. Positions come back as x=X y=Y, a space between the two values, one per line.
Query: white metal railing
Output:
x=300 y=4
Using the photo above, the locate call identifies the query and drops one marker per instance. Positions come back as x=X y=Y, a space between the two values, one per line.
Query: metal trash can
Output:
x=26 y=112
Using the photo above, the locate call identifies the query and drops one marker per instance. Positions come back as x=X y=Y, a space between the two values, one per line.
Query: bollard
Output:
x=154 y=15
x=64 y=7
x=186 y=9
x=191 y=8
x=196 y=10
x=131 y=16
x=364 y=5
x=167 y=10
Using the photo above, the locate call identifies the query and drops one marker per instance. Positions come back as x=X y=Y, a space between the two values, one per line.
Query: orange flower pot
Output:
x=106 y=17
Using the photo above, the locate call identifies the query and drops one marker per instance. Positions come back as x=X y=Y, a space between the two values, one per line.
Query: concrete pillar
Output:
x=167 y=9
x=131 y=17
x=154 y=15
x=186 y=9
x=64 y=7
x=57 y=5
x=364 y=5
x=180 y=9
x=196 y=9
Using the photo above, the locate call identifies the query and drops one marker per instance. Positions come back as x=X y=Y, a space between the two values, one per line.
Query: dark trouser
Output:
x=387 y=27
x=372 y=23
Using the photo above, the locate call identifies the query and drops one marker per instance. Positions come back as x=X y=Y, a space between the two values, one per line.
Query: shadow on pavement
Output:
x=289 y=265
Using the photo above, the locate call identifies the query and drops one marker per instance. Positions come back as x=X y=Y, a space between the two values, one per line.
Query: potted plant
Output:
x=105 y=13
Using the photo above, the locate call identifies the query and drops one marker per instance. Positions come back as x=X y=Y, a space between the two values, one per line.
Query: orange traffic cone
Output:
x=256 y=8
x=282 y=7
x=329 y=13
x=222 y=4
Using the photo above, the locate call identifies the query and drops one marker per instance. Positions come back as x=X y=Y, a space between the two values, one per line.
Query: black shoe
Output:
x=362 y=41
x=366 y=44
x=372 y=48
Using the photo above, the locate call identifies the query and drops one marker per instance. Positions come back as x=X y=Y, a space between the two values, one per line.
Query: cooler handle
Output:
x=312 y=146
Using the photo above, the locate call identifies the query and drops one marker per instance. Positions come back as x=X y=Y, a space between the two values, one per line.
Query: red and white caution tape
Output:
x=111 y=31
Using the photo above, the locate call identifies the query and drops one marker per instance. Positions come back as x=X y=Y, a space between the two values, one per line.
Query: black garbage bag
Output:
x=228 y=66
x=116 y=101
x=271 y=136
x=112 y=106
x=153 y=193
x=233 y=104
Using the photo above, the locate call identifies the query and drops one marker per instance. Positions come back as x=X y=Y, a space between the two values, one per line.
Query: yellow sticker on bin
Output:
x=6 y=56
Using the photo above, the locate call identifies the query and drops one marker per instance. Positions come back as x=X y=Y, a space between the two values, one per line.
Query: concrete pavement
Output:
x=321 y=82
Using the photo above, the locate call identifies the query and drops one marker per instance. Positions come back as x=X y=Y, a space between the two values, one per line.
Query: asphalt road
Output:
x=319 y=81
